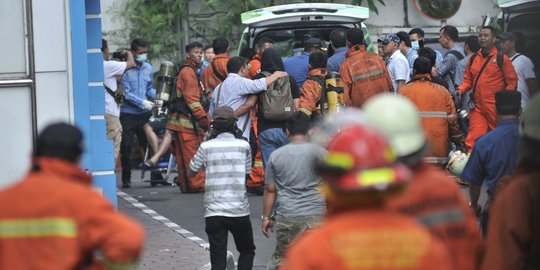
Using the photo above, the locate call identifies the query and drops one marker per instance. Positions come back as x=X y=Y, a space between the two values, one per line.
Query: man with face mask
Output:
x=417 y=42
x=136 y=108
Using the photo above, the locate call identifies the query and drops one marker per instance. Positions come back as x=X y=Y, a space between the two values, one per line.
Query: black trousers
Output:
x=132 y=124
x=217 y=228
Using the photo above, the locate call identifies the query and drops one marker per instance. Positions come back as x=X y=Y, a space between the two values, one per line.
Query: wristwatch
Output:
x=270 y=218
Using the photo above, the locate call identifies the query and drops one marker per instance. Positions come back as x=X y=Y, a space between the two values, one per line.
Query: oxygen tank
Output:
x=334 y=91
x=165 y=81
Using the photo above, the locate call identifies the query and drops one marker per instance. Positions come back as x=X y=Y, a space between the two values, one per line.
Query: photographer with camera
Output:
x=112 y=75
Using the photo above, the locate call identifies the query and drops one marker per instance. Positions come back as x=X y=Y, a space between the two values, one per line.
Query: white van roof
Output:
x=297 y=13
x=512 y=3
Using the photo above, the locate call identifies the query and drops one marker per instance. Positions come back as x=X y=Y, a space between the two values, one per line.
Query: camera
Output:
x=120 y=56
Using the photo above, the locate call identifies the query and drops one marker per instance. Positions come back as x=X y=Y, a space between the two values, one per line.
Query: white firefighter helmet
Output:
x=456 y=162
x=398 y=119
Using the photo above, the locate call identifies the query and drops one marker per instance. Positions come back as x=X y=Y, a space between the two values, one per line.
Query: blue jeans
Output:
x=270 y=140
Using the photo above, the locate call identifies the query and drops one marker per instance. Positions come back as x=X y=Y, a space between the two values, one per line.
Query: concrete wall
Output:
x=52 y=70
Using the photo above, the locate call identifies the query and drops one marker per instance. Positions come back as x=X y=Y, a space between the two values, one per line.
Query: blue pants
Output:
x=270 y=140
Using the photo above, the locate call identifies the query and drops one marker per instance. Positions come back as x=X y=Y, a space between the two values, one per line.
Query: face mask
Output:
x=415 y=45
x=142 y=57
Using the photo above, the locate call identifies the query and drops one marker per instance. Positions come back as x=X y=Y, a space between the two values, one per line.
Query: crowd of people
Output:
x=363 y=188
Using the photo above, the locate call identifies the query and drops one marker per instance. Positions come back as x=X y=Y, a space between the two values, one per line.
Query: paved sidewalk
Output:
x=165 y=247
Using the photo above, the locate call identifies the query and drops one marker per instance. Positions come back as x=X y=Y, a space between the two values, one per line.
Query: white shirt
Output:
x=110 y=70
x=226 y=160
x=525 y=70
x=235 y=90
x=398 y=67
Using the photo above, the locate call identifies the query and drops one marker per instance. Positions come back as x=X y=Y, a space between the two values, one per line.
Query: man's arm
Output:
x=400 y=84
x=244 y=108
x=466 y=84
x=509 y=73
x=269 y=199
x=150 y=90
x=197 y=162
x=532 y=86
x=130 y=96
x=130 y=61
x=474 y=194
x=276 y=75
x=347 y=83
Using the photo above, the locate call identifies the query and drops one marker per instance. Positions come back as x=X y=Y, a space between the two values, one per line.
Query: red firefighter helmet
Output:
x=360 y=159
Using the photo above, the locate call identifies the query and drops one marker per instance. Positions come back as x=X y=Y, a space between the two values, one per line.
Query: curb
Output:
x=165 y=221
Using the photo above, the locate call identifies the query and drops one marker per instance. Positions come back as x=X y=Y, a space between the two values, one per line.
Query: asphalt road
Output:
x=187 y=211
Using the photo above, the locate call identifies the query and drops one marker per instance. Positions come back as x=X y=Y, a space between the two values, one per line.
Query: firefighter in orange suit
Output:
x=431 y=197
x=312 y=87
x=437 y=111
x=363 y=73
x=189 y=118
x=498 y=74
x=53 y=218
x=360 y=174
x=216 y=72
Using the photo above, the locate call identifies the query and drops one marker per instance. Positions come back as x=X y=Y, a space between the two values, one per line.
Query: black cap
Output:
x=60 y=140
x=311 y=43
x=508 y=102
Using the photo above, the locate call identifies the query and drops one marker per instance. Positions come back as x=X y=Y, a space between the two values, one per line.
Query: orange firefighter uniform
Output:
x=435 y=201
x=492 y=79
x=437 y=111
x=189 y=134
x=512 y=239
x=254 y=65
x=364 y=75
x=209 y=79
x=256 y=176
x=312 y=91
x=367 y=240
x=53 y=219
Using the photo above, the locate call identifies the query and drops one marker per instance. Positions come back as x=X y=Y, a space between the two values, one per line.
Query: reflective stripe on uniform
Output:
x=451 y=116
x=181 y=122
x=194 y=105
x=38 y=227
x=436 y=160
x=306 y=111
x=442 y=217
x=257 y=164
x=433 y=114
x=367 y=75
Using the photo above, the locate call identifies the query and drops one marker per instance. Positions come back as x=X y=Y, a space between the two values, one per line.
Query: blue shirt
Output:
x=234 y=92
x=298 y=67
x=203 y=66
x=494 y=155
x=334 y=62
x=138 y=84
x=411 y=56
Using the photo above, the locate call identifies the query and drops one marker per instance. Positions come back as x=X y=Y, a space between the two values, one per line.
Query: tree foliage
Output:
x=164 y=22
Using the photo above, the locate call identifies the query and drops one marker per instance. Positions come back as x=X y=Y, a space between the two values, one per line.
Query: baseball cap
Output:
x=224 y=113
x=312 y=42
x=389 y=38
x=508 y=36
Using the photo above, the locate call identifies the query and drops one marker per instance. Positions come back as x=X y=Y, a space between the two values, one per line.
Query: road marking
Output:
x=165 y=221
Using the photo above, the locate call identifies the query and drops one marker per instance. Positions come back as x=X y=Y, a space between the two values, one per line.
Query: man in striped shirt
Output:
x=227 y=161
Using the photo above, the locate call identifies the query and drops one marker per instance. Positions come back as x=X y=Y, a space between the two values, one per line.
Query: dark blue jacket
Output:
x=494 y=155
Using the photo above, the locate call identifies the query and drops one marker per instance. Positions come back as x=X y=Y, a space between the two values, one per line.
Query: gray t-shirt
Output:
x=292 y=169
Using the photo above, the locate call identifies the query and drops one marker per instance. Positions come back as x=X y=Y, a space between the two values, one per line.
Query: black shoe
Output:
x=126 y=185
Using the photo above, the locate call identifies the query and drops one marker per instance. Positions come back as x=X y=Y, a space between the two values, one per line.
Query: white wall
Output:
x=391 y=17
x=53 y=98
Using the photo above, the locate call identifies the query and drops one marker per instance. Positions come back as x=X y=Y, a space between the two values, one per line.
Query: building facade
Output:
x=52 y=70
